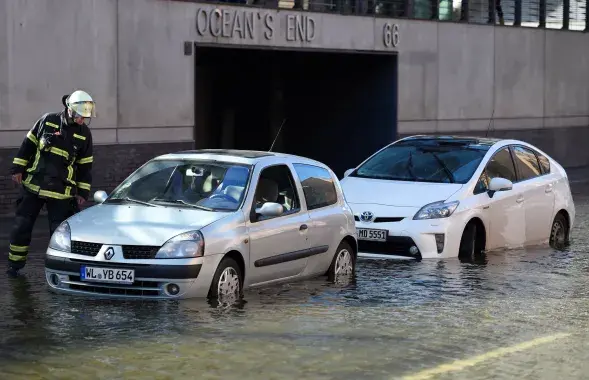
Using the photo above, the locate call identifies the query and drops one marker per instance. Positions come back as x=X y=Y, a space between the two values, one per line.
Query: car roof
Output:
x=238 y=156
x=467 y=140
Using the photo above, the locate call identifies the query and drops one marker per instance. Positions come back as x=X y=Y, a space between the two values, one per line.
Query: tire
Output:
x=231 y=291
x=344 y=259
x=559 y=232
x=470 y=248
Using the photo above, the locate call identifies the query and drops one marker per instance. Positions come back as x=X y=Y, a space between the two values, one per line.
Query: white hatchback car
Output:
x=207 y=223
x=448 y=196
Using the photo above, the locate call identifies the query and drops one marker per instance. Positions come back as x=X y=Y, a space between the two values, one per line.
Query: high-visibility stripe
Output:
x=20 y=161
x=51 y=124
x=59 y=152
x=70 y=174
x=84 y=185
x=14 y=257
x=19 y=248
x=68 y=191
x=30 y=186
x=52 y=194
x=85 y=160
x=79 y=136
x=35 y=163
x=32 y=137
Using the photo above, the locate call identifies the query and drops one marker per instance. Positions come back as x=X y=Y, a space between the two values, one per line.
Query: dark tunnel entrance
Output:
x=337 y=108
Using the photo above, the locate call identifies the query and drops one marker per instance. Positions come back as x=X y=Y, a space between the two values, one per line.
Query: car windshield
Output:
x=425 y=161
x=211 y=186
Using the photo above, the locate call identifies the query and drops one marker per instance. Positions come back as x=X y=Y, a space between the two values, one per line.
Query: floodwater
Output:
x=396 y=320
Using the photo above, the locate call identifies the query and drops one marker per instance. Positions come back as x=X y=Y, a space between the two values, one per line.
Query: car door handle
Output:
x=303 y=227
x=548 y=188
x=520 y=199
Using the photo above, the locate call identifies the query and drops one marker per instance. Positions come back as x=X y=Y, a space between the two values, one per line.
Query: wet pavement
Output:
x=514 y=314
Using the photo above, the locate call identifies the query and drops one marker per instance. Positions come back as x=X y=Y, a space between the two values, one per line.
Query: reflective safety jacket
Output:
x=55 y=158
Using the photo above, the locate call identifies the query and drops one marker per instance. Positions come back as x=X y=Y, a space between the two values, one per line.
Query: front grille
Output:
x=138 y=288
x=382 y=219
x=395 y=245
x=139 y=252
x=85 y=248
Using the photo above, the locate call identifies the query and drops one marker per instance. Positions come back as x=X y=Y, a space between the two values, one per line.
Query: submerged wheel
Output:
x=470 y=246
x=343 y=265
x=227 y=282
x=559 y=233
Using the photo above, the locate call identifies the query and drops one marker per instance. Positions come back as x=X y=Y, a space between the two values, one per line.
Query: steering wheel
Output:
x=223 y=196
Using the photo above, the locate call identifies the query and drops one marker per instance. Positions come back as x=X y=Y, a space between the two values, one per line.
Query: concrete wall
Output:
x=129 y=55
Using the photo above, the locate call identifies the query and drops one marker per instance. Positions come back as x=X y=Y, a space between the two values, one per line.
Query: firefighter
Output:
x=54 y=167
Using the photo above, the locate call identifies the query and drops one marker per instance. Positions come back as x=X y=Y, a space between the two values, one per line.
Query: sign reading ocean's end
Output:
x=244 y=25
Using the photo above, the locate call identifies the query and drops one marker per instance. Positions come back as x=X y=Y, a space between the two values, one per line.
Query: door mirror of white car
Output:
x=270 y=210
x=348 y=172
x=499 y=184
x=100 y=196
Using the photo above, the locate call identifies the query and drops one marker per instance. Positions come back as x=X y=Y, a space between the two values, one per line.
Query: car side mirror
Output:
x=348 y=172
x=270 y=210
x=100 y=196
x=499 y=184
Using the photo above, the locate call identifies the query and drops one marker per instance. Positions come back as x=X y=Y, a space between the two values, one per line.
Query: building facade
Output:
x=173 y=75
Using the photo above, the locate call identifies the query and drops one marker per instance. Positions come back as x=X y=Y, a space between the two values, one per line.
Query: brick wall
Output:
x=112 y=163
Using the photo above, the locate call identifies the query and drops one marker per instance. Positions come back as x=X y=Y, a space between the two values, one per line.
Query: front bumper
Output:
x=153 y=281
x=408 y=233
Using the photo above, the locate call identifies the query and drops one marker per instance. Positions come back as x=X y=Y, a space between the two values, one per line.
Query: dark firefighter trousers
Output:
x=28 y=207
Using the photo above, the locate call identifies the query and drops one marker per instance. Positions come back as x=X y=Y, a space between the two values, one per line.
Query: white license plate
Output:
x=374 y=235
x=112 y=275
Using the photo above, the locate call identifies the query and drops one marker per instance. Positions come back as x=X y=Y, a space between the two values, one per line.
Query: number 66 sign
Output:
x=390 y=34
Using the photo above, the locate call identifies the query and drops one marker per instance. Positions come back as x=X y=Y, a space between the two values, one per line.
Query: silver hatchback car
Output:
x=207 y=223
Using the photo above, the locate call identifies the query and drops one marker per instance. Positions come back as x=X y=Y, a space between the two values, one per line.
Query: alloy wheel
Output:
x=228 y=283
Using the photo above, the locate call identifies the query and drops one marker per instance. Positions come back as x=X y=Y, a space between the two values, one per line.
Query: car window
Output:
x=317 y=186
x=276 y=184
x=527 y=163
x=500 y=165
x=423 y=162
x=544 y=163
x=213 y=186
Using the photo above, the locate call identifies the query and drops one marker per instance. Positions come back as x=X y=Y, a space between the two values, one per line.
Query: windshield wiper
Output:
x=448 y=172
x=127 y=199
x=176 y=201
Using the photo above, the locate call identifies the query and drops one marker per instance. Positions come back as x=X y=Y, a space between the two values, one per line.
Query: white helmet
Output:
x=80 y=103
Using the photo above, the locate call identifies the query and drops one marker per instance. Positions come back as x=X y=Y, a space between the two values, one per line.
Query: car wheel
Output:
x=469 y=246
x=227 y=282
x=343 y=265
x=559 y=233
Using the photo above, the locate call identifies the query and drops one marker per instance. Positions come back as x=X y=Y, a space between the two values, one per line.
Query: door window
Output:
x=317 y=185
x=527 y=163
x=276 y=184
x=544 y=163
x=501 y=165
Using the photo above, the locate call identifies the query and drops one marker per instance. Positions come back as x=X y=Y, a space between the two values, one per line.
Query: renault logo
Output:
x=109 y=253
x=366 y=216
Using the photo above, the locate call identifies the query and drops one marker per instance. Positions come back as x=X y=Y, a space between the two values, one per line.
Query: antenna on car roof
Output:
x=277 y=134
x=491 y=120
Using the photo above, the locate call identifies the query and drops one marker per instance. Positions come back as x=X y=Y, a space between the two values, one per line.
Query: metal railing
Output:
x=549 y=14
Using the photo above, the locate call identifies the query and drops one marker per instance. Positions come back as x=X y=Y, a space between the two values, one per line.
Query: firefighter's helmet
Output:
x=80 y=104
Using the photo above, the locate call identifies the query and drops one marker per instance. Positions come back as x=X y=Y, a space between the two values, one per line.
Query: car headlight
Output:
x=185 y=245
x=436 y=210
x=61 y=240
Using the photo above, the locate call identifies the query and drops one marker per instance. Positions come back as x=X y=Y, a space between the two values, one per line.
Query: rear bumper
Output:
x=151 y=281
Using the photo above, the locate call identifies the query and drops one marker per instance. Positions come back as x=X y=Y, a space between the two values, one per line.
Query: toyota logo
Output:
x=366 y=216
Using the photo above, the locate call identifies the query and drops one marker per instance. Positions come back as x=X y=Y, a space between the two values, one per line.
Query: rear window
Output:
x=317 y=185
x=428 y=161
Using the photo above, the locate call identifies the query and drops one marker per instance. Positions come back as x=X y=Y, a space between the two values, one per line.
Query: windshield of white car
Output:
x=204 y=185
x=424 y=161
